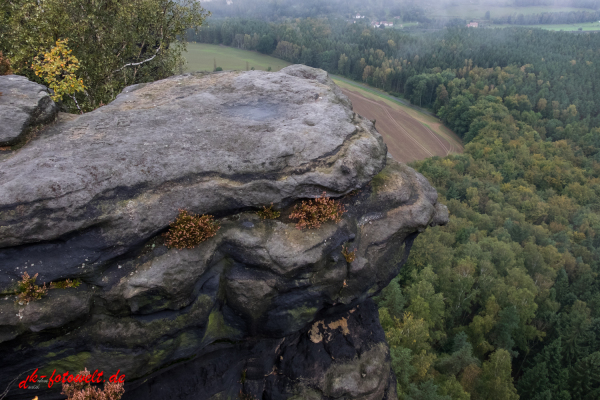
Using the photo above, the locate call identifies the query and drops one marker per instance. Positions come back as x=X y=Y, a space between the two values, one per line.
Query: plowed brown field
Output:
x=407 y=138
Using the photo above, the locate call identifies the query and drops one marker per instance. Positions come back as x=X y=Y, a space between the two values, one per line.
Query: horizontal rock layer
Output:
x=94 y=187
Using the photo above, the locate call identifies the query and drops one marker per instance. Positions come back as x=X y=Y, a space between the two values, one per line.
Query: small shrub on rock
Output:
x=188 y=230
x=80 y=390
x=268 y=213
x=67 y=283
x=313 y=213
x=348 y=255
x=58 y=68
x=28 y=291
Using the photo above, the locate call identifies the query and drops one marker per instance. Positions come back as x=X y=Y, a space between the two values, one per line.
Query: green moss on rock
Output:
x=74 y=363
x=218 y=329
x=387 y=176
x=302 y=315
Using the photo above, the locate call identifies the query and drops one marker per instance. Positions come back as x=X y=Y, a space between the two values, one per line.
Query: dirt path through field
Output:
x=407 y=138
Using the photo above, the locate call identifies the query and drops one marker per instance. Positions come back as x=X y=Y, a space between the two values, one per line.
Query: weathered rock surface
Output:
x=261 y=307
x=338 y=357
x=23 y=105
x=98 y=185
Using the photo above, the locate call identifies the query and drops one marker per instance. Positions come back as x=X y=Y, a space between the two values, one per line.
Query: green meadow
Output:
x=403 y=25
x=585 y=26
x=477 y=11
x=201 y=57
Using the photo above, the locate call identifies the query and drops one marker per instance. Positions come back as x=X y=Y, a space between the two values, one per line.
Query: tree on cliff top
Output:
x=117 y=43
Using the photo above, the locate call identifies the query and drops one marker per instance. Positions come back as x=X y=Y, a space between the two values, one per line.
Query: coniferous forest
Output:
x=504 y=302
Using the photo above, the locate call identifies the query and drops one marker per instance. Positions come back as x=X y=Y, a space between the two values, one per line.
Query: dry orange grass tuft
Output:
x=188 y=230
x=268 y=213
x=313 y=213
x=65 y=284
x=348 y=255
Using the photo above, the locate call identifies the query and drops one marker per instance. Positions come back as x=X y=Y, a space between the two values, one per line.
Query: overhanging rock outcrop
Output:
x=262 y=307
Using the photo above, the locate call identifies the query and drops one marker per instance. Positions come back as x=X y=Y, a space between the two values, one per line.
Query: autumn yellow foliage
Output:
x=58 y=68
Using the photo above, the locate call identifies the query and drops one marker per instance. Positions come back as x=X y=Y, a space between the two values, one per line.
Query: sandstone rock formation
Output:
x=263 y=308
x=23 y=106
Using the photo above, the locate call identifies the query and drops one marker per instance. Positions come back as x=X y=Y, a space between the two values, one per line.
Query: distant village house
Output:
x=473 y=25
x=382 y=23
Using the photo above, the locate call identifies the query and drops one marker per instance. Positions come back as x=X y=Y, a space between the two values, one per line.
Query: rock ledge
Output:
x=89 y=197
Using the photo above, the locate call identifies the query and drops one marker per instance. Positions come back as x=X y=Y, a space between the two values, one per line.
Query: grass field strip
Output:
x=399 y=106
x=428 y=130
x=411 y=137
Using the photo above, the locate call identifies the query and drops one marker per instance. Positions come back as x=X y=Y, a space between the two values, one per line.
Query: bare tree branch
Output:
x=76 y=103
x=139 y=63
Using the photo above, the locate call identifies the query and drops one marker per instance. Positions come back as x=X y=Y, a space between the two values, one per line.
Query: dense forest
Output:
x=554 y=70
x=504 y=302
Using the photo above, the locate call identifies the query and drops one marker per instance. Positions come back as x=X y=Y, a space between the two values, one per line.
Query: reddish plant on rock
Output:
x=188 y=230
x=80 y=390
x=28 y=291
x=313 y=213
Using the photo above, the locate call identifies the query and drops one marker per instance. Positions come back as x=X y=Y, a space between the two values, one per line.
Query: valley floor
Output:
x=410 y=134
